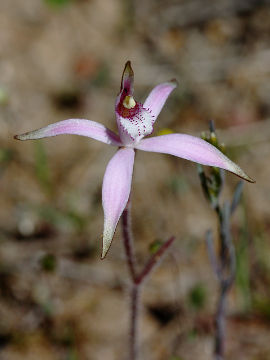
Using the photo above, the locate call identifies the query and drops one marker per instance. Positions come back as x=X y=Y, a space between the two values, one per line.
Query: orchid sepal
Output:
x=191 y=148
x=81 y=127
x=115 y=192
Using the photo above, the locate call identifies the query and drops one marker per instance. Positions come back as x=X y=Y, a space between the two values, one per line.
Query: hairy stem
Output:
x=154 y=260
x=137 y=280
x=128 y=241
x=135 y=303
x=131 y=263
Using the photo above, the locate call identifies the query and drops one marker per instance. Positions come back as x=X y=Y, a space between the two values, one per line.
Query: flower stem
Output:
x=137 y=280
x=131 y=263
x=154 y=261
x=128 y=241
x=135 y=302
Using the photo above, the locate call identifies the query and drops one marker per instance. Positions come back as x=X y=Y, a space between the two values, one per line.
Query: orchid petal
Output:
x=191 y=148
x=82 y=127
x=115 y=192
x=158 y=96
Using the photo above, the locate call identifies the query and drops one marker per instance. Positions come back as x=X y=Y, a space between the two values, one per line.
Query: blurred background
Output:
x=61 y=59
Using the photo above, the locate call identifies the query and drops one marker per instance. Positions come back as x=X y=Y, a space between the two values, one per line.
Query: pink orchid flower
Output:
x=134 y=121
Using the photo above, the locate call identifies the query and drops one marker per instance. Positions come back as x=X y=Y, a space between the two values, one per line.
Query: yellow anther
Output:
x=129 y=102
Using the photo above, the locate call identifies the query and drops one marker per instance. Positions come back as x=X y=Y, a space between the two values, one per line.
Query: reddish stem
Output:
x=137 y=280
x=128 y=241
x=154 y=260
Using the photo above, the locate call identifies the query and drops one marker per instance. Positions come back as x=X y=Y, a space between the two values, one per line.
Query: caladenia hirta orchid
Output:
x=135 y=121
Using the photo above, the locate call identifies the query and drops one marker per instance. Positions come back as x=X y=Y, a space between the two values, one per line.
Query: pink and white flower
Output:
x=134 y=121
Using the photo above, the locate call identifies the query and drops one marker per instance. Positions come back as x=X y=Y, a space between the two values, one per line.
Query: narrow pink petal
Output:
x=191 y=148
x=115 y=192
x=82 y=127
x=158 y=96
